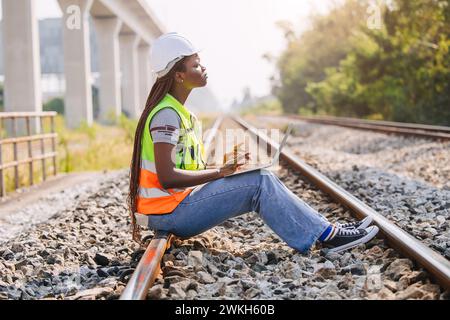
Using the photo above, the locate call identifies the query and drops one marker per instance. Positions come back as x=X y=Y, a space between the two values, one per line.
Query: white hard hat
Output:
x=167 y=50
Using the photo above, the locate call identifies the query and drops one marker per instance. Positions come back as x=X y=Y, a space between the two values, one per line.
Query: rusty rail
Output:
x=407 y=129
x=15 y=140
x=149 y=266
x=434 y=263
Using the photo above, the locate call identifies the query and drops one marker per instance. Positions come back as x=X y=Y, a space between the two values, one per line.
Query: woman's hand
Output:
x=234 y=160
x=228 y=169
x=230 y=156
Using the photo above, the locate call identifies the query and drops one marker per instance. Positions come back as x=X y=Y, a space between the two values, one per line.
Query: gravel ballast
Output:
x=84 y=251
x=406 y=179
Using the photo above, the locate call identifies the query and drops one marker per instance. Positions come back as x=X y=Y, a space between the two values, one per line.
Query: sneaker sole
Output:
x=366 y=223
x=369 y=236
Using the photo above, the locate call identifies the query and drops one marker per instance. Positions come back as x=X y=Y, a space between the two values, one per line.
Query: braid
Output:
x=158 y=91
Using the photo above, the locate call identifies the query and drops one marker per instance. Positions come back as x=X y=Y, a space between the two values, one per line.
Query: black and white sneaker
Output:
x=362 y=224
x=343 y=239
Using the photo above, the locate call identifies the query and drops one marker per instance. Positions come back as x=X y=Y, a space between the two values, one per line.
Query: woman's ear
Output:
x=179 y=77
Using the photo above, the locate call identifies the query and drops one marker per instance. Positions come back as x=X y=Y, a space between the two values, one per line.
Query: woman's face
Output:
x=195 y=75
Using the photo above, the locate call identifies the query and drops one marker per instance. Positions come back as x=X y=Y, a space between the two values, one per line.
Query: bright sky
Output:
x=234 y=35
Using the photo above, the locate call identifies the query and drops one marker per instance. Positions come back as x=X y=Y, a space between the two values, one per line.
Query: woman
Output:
x=169 y=160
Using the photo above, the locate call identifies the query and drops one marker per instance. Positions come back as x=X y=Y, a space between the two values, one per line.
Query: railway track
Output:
x=407 y=129
x=436 y=265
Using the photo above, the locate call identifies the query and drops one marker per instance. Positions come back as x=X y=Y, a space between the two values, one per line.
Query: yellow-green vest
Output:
x=190 y=155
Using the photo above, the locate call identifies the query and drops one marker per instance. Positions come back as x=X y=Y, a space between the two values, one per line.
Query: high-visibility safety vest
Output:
x=152 y=198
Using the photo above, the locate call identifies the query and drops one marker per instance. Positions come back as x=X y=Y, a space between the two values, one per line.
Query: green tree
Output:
x=401 y=71
x=55 y=104
x=308 y=56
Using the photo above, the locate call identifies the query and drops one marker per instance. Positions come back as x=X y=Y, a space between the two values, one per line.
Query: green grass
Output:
x=95 y=148
x=272 y=107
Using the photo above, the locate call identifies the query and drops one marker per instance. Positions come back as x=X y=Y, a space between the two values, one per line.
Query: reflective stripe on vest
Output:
x=148 y=165
x=152 y=193
x=152 y=197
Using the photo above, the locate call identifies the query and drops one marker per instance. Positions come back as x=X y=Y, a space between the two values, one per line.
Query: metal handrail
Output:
x=8 y=115
x=15 y=140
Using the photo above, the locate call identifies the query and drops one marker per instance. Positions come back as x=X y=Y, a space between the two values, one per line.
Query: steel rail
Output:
x=409 y=125
x=433 y=262
x=409 y=129
x=149 y=266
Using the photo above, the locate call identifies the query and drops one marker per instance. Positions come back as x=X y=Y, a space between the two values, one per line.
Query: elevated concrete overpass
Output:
x=125 y=31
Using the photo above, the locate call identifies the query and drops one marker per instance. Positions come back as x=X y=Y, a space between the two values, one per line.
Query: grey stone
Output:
x=7 y=254
x=55 y=259
x=251 y=293
x=246 y=284
x=447 y=253
x=356 y=269
x=102 y=259
x=155 y=292
x=102 y=273
x=93 y=293
x=195 y=258
x=218 y=289
x=272 y=257
x=332 y=256
x=17 y=247
x=205 y=277
x=398 y=268
x=181 y=256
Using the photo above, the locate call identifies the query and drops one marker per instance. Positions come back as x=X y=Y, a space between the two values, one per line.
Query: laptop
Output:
x=273 y=161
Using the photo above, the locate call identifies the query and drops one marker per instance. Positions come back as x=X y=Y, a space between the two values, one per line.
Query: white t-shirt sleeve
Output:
x=165 y=126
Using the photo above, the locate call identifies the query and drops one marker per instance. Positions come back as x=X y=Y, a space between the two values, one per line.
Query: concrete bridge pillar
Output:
x=77 y=62
x=107 y=29
x=130 y=74
x=21 y=58
x=145 y=76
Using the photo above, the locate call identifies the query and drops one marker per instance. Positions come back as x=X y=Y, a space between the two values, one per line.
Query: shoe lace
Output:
x=347 y=224
x=349 y=232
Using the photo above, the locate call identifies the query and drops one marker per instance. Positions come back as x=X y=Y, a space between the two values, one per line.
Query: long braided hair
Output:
x=159 y=90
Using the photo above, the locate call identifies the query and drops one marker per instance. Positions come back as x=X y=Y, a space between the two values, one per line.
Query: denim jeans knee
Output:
x=267 y=172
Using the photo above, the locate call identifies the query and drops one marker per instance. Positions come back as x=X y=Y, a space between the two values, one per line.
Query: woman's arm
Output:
x=171 y=177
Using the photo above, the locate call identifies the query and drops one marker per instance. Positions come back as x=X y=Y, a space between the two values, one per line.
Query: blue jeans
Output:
x=260 y=191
